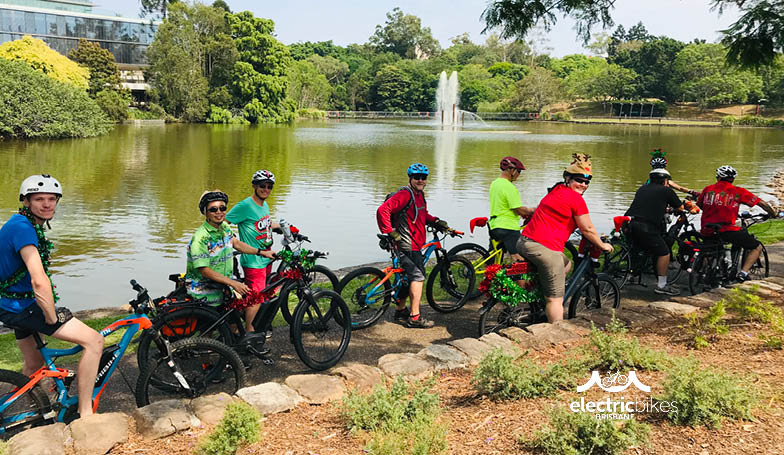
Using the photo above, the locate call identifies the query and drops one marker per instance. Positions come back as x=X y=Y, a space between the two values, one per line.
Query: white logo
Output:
x=614 y=382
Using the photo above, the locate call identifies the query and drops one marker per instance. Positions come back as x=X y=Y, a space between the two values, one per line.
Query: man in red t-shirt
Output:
x=720 y=204
x=403 y=218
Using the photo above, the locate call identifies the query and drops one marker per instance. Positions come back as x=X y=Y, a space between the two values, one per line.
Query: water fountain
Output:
x=446 y=99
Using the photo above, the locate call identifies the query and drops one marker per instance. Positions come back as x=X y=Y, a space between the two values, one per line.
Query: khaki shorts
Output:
x=549 y=264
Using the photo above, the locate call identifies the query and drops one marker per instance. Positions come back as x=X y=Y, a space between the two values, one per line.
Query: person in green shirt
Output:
x=506 y=207
x=252 y=217
x=210 y=252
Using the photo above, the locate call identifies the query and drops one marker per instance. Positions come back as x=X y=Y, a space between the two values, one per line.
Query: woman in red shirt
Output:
x=559 y=213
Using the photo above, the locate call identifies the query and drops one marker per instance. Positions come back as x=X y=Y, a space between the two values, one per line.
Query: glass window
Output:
x=60 y=25
x=70 y=26
x=51 y=24
x=40 y=24
x=99 y=33
x=29 y=22
x=5 y=20
x=90 y=26
x=5 y=37
x=81 y=27
x=135 y=31
x=18 y=21
x=125 y=31
x=112 y=30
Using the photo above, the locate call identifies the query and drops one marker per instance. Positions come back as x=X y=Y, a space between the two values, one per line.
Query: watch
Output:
x=258 y=251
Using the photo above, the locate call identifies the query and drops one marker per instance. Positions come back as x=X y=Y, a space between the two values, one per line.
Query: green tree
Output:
x=653 y=61
x=516 y=51
x=154 y=7
x=333 y=69
x=41 y=57
x=512 y=71
x=307 y=86
x=404 y=35
x=600 y=44
x=563 y=67
x=404 y=86
x=100 y=63
x=613 y=82
x=537 y=90
x=114 y=103
x=756 y=38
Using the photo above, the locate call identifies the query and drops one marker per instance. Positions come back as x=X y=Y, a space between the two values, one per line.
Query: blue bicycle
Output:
x=368 y=291
x=185 y=369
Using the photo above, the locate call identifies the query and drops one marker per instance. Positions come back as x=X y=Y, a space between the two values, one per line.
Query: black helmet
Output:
x=212 y=196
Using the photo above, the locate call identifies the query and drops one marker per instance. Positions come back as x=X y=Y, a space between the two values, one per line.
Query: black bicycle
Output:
x=717 y=263
x=320 y=328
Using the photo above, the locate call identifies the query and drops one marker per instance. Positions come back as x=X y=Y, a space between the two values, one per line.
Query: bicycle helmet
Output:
x=511 y=162
x=659 y=173
x=658 y=161
x=212 y=196
x=263 y=175
x=726 y=172
x=40 y=183
x=418 y=168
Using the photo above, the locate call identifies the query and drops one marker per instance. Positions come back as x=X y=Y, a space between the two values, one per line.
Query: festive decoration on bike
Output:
x=498 y=284
x=44 y=250
x=302 y=256
x=257 y=297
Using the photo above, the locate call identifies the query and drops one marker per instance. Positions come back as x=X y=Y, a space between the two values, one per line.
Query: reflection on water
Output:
x=131 y=197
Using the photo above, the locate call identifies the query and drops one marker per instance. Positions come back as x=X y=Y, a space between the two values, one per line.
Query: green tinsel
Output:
x=302 y=257
x=44 y=250
x=506 y=290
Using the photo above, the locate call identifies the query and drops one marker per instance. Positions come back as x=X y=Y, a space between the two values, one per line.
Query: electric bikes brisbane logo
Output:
x=621 y=409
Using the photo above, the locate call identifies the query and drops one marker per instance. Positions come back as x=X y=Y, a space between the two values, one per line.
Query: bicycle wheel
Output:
x=205 y=365
x=618 y=265
x=366 y=299
x=761 y=267
x=319 y=277
x=597 y=292
x=180 y=322
x=29 y=410
x=450 y=284
x=701 y=272
x=321 y=329
x=495 y=316
x=474 y=253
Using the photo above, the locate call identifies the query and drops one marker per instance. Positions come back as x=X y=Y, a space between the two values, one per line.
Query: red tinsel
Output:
x=256 y=297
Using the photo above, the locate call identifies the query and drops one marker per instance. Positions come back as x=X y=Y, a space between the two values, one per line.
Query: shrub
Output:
x=729 y=120
x=33 y=105
x=614 y=350
x=705 y=396
x=220 y=115
x=561 y=117
x=751 y=120
x=572 y=433
x=311 y=114
x=501 y=377
x=240 y=426
x=114 y=103
x=42 y=58
x=104 y=73
x=751 y=307
x=702 y=330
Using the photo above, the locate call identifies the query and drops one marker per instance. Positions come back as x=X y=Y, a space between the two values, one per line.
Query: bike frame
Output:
x=131 y=324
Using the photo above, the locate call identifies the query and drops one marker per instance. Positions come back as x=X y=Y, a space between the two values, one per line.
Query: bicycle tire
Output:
x=474 y=253
x=618 y=265
x=450 y=284
x=33 y=402
x=167 y=321
x=761 y=268
x=324 y=313
x=495 y=316
x=365 y=309
x=207 y=365
x=700 y=272
x=596 y=292
x=313 y=277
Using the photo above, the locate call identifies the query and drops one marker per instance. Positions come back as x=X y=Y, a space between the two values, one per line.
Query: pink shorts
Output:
x=256 y=279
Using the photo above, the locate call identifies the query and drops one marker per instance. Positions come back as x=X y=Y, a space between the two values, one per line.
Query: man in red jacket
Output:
x=403 y=217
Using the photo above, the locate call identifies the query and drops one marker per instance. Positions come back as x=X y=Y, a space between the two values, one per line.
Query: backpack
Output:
x=402 y=213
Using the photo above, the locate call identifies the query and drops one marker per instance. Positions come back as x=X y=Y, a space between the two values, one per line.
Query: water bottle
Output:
x=284 y=226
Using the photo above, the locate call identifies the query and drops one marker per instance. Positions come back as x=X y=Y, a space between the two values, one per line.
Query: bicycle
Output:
x=320 y=328
x=369 y=291
x=717 y=263
x=585 y=290
x=628 y=261
x=191 y=368
x=480 y=256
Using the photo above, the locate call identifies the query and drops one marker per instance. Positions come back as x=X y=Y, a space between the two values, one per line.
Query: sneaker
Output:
x=268 y=333
x=742 y=277
x=420 y=323
x=667 y=290
x=401 y=315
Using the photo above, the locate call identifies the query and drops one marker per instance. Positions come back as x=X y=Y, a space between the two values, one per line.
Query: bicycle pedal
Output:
x=267 y=361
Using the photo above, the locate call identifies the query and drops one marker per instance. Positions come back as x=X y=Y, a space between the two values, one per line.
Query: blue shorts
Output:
x=28 y=321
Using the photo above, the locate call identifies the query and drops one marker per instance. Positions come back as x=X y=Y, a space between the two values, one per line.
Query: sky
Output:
x=354 y=21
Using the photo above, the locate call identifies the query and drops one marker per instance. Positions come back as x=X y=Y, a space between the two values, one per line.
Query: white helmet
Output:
x=263 y=176
x=726 y=172
x=42 y=183
x=660 y=172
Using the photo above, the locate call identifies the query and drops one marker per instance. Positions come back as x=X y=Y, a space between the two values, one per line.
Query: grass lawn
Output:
x=648 y=121
x=769 y=232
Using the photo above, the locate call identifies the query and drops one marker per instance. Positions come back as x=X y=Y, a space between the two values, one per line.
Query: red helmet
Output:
x=510 y=161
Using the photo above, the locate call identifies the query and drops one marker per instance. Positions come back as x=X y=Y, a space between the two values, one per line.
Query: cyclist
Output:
x=210 y=254
x=558 y=214
x=647 y=224
x=403 y=217
x=720 y=203
x=659 y=161
x=506 y=207
x=27 y=297
x=252 y=217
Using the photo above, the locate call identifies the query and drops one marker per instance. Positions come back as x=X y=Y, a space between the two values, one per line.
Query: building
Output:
x=61 y=23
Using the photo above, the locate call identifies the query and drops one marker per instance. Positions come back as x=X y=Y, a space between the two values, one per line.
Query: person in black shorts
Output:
x=647 y=225
x=27 y=296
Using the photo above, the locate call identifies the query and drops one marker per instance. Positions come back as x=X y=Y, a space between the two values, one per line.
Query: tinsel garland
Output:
x=257 y=297
x=302 y=256
x=498 y=284
x=44 y=250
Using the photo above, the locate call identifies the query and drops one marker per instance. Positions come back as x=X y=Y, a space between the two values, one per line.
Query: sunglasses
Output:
x=221 y=208
x=419 y=176
x=267 y=186
x=581 y=180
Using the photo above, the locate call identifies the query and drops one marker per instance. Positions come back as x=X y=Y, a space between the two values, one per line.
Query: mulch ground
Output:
x=478 y=425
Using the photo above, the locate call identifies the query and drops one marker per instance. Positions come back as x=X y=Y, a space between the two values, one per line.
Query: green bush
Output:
x=751 y=307
x=240 y=426
x=33 y=105
x=501 y=377
x=751 y=120
x=114 y=103
x=561 y=117
x=218 y=114
x=311 y=114
x=422 y=437
x=573 y=433
x=703 y=329
x=614 y=350
x=705 y=396
x=729 y=120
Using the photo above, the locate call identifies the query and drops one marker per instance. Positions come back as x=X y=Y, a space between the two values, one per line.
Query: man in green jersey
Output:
x=210 y=252
x=252 y=217
x=506 y=207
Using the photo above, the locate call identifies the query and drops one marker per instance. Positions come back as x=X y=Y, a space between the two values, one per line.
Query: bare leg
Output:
x=76 y=331
x=554 y=309
x=415 y=294
x=250 y=315
x=662 y=264
x=32 y=356
x=516 y=257
x=751 y=258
